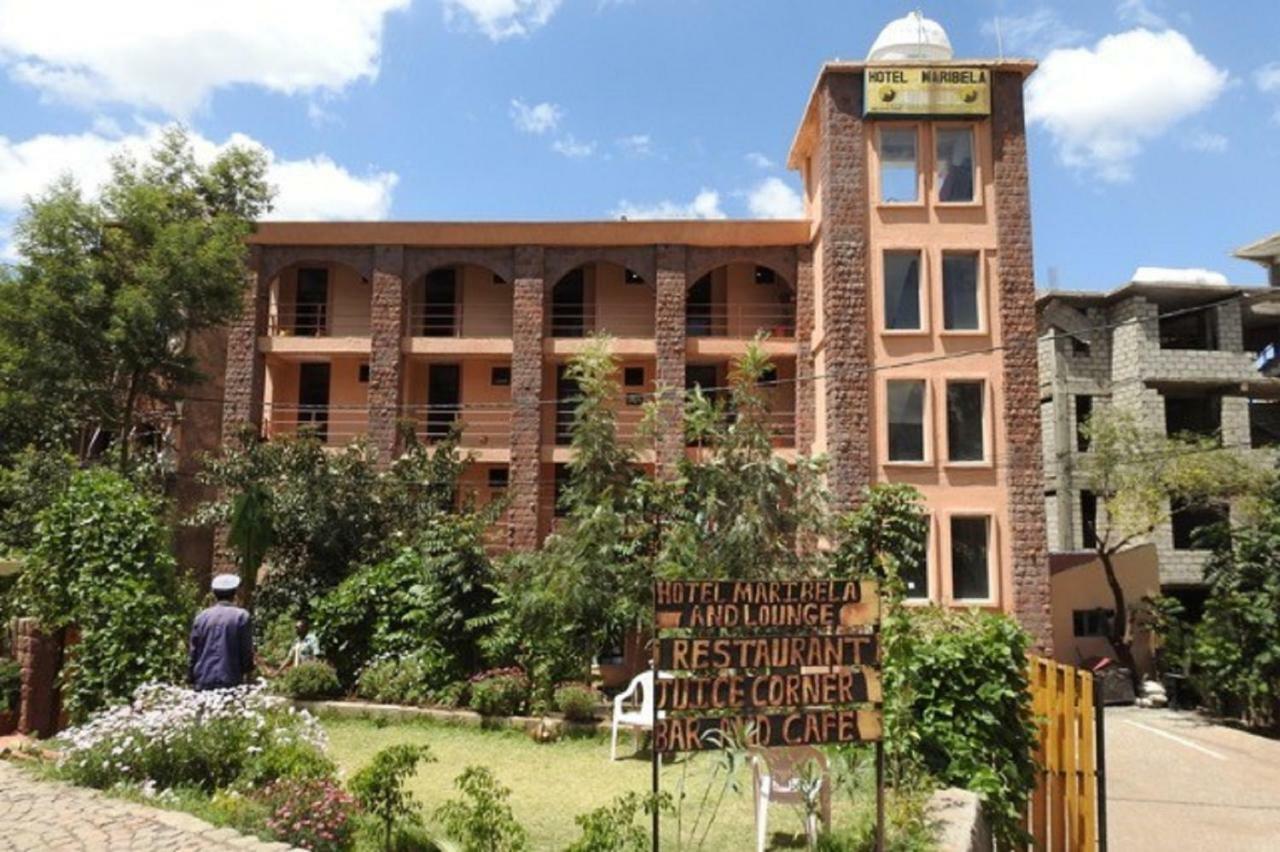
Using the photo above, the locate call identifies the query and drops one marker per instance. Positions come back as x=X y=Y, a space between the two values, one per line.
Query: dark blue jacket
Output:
x=221 y=647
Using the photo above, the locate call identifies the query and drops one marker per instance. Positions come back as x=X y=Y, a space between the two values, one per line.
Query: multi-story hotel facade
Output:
x=900 y=314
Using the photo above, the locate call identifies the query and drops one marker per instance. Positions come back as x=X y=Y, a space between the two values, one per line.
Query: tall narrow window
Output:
x=970 y=558
x=915 y=571
x=899 y=174
x=960 y=310
x=902 y=290
x=1088 y=520
x=954 y=160
x=906 y=420
x=1084 y=411
x=966 y=431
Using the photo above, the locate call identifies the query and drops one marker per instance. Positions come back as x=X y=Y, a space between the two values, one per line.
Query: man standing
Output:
x=221 y=640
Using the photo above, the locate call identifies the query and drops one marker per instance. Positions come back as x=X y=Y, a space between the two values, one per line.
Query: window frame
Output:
x=988 y=439
x=922 y=190
x=926 y=421
x=935 y=185
x=993 y=544
x=925 y=303
x=980 y=294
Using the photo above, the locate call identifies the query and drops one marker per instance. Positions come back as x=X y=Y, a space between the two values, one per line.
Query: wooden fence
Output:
x=1070 y=790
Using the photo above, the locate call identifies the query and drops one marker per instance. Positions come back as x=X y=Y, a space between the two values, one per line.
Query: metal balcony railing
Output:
x=575 y=320
x=482 y=426
x=739 y=321
x=435 y=320
x=315 y=321
x=628 y=421
x=331 y=424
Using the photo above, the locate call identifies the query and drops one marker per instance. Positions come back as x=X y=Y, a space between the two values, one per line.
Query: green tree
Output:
x=1139 y=476
x=96 y=317
x=482 y=821
x=379 y=787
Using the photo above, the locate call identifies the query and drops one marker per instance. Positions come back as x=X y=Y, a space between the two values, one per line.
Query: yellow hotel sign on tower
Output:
x=924 y=91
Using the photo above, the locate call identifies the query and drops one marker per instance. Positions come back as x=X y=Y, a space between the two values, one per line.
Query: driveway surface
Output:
x=1178 y=782
x=48 y=815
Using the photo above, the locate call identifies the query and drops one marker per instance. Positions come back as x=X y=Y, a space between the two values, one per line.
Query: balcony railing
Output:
x=781 y=426
x=627 y=421
x=334 y=425
x=574 y=320
x=739 y=321
x=485 y=426
x=435 y=320
x=315 y=321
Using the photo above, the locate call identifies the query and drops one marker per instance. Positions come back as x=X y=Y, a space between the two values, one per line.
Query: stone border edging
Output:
x=470 y=718
x=962 y=826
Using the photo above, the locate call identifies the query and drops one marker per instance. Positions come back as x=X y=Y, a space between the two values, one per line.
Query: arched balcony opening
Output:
x=601 y=297
x=460 y=300
x=740 y=300
x=319 y=300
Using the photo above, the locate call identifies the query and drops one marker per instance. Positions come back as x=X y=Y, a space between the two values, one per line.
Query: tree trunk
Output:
x=1120 y=638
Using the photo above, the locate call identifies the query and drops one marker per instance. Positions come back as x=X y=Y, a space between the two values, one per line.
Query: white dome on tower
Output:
x=911 y=37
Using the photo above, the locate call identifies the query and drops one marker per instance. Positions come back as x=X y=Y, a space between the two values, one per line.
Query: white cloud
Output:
x=537 y=119
x=637 y=144
x=1033 y=34
x=774 y=198
x=760 y=161
x=1267 y=78
x=705 y=205
x=170 y=56
x=311 y=188
x=1101 y=104
x=572 y=148
x=502 y=19
x=1207 y=142
x=1138 y=13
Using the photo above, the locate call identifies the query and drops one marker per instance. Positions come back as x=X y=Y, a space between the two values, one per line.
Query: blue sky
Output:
x=1155 y=136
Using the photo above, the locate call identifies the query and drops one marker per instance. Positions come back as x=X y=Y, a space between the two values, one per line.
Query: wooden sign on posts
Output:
x=777 y=663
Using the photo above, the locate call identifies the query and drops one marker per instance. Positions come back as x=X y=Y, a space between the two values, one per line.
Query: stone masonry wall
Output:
x=804 y=389
x=528 y=303
x=669 y=327
x=1024 y=453
x=386 y=359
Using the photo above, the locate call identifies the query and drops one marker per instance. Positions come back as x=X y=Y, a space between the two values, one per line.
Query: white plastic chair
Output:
x=638 y=720
x=777 y=777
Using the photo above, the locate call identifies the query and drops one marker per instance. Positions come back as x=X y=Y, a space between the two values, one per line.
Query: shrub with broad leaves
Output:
x=308 y=681
x=577 y=701
x=500 y=692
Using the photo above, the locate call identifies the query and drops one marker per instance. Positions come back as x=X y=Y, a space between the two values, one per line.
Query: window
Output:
x=561 y=483
x=1195 y=330
x=765 y=275
x=363 y=376
x=960 y=309
x=500 y=377
x=966 y=431
x=1088 y=520
x=902 y=290
x=1091 y=622
x=954 y=162
x=1190 y=521
x=633 y=376
x=1084 y=410
x=906 y=420
x=899 y=176
x=970 y=559
x=915 y=572
x=1199 y=416
x=498 y=478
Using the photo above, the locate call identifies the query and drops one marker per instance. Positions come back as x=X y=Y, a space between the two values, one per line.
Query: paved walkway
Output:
x=49 y=815
x=1176 y=781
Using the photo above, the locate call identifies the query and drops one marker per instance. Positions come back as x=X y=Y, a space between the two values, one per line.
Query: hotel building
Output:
x=900 y=314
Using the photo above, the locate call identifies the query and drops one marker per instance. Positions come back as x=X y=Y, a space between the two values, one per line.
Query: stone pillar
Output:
x=842 y=165
x=386 y=359
x=39 y=656
x=669 y=325
x=1024 y=453
x=805 y=402
x=246 y=366
x=526 y=394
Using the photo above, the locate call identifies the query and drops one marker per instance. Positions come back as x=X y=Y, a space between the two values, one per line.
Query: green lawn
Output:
x=552 y=783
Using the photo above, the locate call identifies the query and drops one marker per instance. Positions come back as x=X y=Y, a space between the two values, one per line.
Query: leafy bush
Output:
x=482 y=821
x=289 y=758
x=962 y=678
x=414 y=680
x=29 y=485
x=172 y=737
x=102 y=563
x=313 y=813
x=577 y=701
x=500 y=692
x=613 y=827
x=10 y=685
x=274 y=639
x=379 y=787
x=420 y=601
x=309 y=680
x=237 y=810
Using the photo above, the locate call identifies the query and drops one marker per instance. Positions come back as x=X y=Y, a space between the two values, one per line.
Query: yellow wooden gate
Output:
x=1063 y=815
